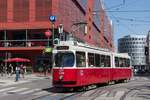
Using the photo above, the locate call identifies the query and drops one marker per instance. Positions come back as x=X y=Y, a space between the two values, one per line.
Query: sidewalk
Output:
x=7 y=80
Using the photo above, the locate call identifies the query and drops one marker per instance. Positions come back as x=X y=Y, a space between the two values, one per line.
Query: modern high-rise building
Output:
x=134 y=45
x=23 y=24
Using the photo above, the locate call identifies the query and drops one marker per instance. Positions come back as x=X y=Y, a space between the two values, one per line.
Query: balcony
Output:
x=25 y=43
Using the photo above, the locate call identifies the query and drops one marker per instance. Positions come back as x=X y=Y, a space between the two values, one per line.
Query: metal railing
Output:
x=24 y=43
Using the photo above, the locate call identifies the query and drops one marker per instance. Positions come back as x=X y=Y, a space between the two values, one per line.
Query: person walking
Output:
x=17 y=73
x=11 y=69
x=45 y=69
x=22 y=70
x=2 y=69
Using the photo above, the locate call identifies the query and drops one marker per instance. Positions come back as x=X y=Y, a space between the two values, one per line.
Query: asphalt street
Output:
x=41 y=89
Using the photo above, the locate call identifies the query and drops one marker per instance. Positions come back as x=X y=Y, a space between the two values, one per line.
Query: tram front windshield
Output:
x=64 y=59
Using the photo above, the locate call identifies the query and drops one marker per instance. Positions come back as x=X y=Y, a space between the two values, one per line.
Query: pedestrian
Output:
x=45 y=69
x=17 y=73
x=25 y=69
x=2 y=69
x=11 y=69
x=22 y=70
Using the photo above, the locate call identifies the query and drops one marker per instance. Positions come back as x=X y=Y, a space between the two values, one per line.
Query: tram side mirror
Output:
x=56 y=41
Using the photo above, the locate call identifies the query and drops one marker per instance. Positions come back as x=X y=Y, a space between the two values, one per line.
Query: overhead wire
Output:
x=121 y=22
x=118 y=19
x=131 y=19
x=121 y=4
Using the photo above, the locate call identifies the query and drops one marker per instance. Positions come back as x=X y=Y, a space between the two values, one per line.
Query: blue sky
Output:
x=128 y=16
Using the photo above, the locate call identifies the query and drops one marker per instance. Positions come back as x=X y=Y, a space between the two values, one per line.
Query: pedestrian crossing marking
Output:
x=15 y=90
x=145 y=78
x=119 y=94
x=139 y=78
x=40 y=93
x=6 y=89
x=18 y=90
x=30 y=91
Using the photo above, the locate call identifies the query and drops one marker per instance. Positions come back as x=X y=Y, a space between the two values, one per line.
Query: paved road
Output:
x=138 y=88
x=25 y=91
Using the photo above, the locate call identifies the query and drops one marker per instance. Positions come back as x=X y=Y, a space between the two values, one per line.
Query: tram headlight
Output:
x=61 y=77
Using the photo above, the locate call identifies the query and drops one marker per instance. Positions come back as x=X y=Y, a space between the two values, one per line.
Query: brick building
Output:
x=23 y=24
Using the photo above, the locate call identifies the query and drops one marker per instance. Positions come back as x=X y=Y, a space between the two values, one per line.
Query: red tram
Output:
x=79 y=65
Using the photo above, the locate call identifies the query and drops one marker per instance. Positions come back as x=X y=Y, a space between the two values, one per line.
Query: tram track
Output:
x=107 y=91
x=95 y=93
x=134 y=91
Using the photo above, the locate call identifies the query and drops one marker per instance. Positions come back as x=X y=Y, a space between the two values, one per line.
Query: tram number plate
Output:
x=61 y=72
x=81 y=72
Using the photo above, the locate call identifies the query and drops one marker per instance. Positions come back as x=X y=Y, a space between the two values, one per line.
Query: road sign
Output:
x=52 y=18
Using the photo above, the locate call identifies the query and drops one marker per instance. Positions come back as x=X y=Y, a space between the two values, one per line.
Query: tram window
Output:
x=80 y=59
x=122 y=62
x=64 y=59
x=127 y=62
x=91 y=60
x=97 y=60
x=116 y=62
x=107 y=61
x=102 y=63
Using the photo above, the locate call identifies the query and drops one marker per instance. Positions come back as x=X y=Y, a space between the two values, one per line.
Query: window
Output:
x=122 y=62
x=105 y=61
x=127 y=62
x=97 y=60
x=102 y=61
x=116 y=62
x=64 y=59
x=80 y=59
x=91 y=60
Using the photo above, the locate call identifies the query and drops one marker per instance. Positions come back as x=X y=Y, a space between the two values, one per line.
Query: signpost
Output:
x=52 y=19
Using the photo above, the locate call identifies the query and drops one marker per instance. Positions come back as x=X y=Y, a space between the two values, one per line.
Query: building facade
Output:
x=23 y=24
x=147 y=49
x=134 y=45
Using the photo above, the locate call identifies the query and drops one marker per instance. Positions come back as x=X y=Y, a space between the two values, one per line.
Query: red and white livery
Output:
x=79 y=65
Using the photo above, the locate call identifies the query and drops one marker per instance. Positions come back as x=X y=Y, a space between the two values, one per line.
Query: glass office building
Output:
x=134 y=45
